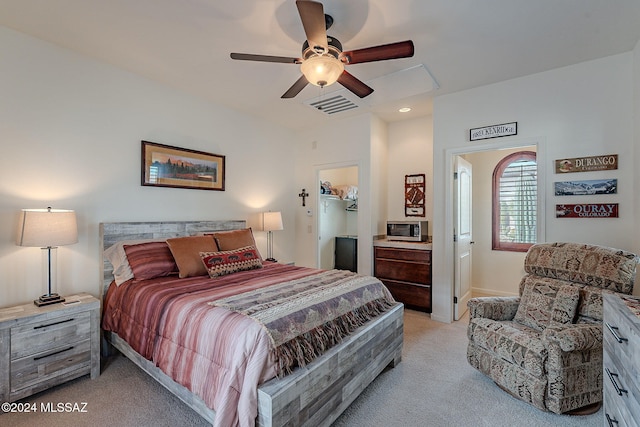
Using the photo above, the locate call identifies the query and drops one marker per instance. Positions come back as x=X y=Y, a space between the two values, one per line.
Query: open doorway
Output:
x=338 y=218
x=492 y=273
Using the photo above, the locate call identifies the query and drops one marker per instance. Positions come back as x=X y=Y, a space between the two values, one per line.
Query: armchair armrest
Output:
x=494 y=308
x=583 y=336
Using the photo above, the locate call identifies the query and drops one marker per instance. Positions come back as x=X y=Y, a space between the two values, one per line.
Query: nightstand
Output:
x=41 y=347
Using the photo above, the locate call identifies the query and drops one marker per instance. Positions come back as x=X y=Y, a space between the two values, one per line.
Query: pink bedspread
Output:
x=221 y=354
x=169 y=321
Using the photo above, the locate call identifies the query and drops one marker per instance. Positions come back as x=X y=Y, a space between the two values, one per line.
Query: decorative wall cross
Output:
x=304 y=195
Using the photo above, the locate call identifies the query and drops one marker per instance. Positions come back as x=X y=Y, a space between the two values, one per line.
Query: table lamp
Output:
x=47 y=229
x=271 y=221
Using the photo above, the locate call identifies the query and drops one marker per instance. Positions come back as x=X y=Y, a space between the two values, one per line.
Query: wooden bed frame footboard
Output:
x=314 y=395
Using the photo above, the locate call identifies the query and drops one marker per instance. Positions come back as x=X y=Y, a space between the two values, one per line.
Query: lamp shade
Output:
x=47 y=228
x=272 y=221
x=322 y=70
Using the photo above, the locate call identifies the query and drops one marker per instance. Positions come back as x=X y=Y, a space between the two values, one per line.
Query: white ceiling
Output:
x=460 y=43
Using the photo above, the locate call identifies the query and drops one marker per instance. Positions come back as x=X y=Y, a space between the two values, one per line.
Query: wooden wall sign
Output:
x=591 y=186
x=414 y=187
x=587 y=210
x=493 y=131
x=587 y=164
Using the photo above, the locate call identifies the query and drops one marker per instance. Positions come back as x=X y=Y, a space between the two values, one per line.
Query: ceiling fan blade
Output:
x=378 y=53
x=266 y=58
x=312 y=16
x=296 y=88
x=354 y=85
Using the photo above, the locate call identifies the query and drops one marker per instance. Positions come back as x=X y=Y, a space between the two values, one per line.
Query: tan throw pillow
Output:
x=186 y=252
x=222 y=263
x=547 y=302
x=234 y=239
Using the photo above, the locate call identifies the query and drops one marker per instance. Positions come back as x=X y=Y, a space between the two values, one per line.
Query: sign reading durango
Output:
x=584 y=164
x=587 y=210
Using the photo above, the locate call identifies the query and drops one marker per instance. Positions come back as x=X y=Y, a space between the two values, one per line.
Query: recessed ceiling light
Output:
x=404 y=110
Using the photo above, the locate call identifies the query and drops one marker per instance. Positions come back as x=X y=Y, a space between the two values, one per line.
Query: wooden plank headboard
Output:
x=112 y=232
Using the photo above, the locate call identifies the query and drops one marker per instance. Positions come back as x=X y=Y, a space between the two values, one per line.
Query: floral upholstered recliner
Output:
x=545 y=347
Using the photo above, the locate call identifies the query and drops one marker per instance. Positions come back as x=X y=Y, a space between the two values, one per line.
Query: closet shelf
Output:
x=334 y=197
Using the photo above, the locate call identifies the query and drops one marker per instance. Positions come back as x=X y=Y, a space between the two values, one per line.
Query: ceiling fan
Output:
x=323 y=60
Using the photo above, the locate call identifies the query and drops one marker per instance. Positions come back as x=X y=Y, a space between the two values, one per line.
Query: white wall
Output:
x=580 y=110
x=379 y=177
x=70 y=136
x=636 y=123
x=410 y=152
x=357 y=141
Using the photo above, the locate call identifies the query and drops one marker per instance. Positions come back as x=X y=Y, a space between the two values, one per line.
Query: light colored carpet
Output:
x=432 y=386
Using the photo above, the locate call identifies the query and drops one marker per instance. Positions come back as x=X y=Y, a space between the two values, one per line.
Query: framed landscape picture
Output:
x=167 y=166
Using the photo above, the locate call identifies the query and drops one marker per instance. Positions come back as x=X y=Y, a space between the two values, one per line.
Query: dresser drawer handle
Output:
x=54 y=353
x=619 y=389
x=614 y=331
x=611 y=421
x=54 y=323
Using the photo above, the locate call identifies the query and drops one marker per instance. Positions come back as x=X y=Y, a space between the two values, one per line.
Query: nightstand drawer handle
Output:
x=54 y=353
x=54 y=323
x=611 y=421
x=619 y=389
x=614 y=331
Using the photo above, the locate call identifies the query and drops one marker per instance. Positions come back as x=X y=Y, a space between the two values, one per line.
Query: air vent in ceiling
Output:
x=333 y=104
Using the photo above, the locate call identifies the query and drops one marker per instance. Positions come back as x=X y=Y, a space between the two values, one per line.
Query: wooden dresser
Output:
x=45 y=346
x=406 y=271
x=621 y=366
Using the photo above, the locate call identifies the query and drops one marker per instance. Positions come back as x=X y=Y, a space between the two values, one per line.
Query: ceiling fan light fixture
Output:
x=322 y=70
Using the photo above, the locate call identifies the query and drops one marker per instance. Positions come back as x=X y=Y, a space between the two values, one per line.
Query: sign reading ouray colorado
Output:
x=494 y=131
x=587 y=210
x=584 y=164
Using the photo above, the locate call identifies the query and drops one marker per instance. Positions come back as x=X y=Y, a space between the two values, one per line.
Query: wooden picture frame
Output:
x=414 y=195
x=168 y=166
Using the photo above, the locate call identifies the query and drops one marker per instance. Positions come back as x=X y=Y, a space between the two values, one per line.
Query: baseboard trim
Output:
x=481 y=292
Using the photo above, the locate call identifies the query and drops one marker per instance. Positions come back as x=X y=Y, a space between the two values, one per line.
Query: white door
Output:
x=462 y=236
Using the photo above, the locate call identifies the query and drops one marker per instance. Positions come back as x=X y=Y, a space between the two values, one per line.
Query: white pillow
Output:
x=116 y=255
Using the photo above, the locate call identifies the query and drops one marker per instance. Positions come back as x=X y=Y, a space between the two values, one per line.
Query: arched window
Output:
x=515 y=196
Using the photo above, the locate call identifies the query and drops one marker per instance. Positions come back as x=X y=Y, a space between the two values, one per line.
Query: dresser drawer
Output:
x=403 y=254
x=40 y=335
x=621 y=367
x=403 y=271
x=410 y=293
x=42 y=368
x=620 y=394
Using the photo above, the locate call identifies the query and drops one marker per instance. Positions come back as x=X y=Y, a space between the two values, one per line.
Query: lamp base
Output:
x=271 y=259
x=48 y=299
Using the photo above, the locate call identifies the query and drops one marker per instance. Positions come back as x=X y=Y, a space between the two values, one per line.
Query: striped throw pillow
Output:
x=150 y=260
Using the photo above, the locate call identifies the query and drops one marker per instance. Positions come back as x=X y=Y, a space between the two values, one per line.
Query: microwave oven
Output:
x=408 y=231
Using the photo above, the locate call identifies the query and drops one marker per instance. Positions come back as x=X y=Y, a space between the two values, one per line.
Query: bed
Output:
x=315 y=393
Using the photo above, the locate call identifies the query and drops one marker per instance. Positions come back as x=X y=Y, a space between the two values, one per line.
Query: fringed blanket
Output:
x=307 y=316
